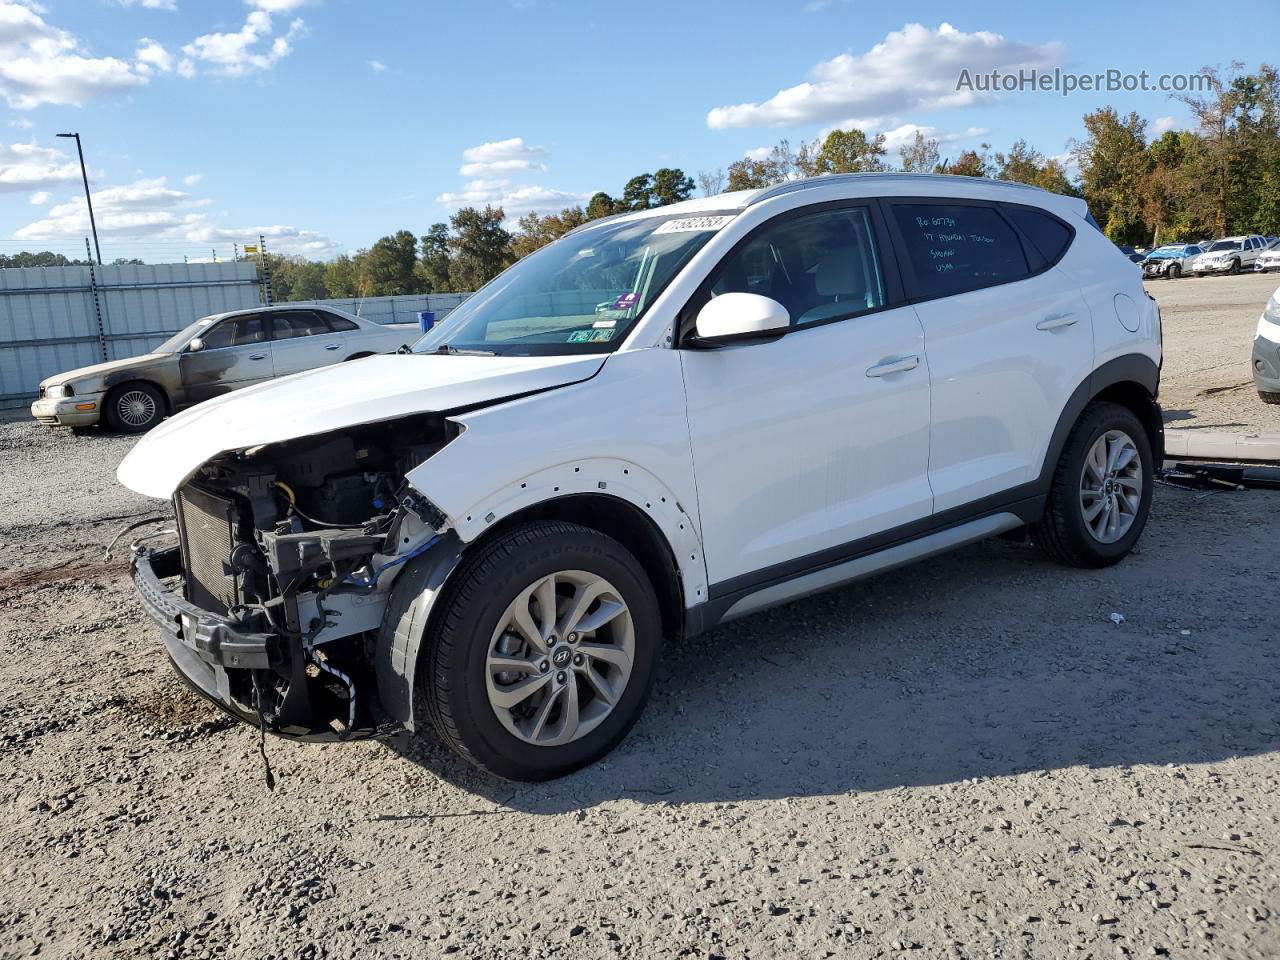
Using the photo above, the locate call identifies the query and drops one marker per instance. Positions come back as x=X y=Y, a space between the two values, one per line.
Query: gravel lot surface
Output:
x=965 y=758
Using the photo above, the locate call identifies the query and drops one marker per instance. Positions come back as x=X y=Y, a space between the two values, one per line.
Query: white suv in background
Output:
x=1229 y=255
x=660 y=422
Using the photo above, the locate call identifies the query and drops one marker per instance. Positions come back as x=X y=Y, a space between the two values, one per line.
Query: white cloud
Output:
x=39 y=199
x=1163 y=125
x=906 y=134
x=758 y=153
x=41 y=63
x=377 y=66
x=276 y=6
x=150 y=210
x=280 y=238
x=22 y=123
x=152 y=4
x=501 y=156
x=514 y=200
x=152 y=55
x=914 y=68
x=248 y=49
x=24 y=166
x=192 y=179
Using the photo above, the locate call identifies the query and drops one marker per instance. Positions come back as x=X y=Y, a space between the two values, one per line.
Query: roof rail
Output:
x=791 y=186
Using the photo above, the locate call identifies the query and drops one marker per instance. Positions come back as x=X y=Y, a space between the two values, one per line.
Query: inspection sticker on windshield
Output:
x=687 y=224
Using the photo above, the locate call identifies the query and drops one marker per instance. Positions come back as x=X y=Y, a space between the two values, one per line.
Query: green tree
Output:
x=537 y=231
x=389 y=267
x=433 y=268
x=850 y=151
x=308 y=280
x=43 y=258
x=1025 y=164
x=602 y=205
x=970 y=163
x=479 y=249
x=340 y=279
x=671 y=185
x=638 y=193
x=920 y=155
x=1113 y=164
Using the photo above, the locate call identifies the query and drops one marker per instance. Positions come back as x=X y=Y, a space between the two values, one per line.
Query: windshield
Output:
x=1164 y=253
x=1224 y=245
x=179 y=339
x=581 y=294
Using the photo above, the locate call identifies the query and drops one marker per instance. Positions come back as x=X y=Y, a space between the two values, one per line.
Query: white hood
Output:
x=330 y=398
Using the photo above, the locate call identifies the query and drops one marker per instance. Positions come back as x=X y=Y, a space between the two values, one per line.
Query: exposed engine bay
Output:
x=294 y=546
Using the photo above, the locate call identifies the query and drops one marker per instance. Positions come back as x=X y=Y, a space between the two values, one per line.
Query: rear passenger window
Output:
x=339 y=324
x=1048 y=236
x=952 y=248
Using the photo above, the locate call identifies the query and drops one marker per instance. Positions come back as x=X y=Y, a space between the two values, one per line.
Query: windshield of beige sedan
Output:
x=581 y=294
x=183 y=336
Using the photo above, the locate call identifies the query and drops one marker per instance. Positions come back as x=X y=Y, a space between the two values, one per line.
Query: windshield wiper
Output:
x=446 y=350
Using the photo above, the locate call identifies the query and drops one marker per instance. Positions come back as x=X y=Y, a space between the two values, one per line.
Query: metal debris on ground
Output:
x=1220 y=476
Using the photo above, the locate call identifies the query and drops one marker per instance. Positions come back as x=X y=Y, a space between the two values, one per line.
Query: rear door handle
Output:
x=1057 y=320
x=900 y=365
x=334 y=346
x=257 y=356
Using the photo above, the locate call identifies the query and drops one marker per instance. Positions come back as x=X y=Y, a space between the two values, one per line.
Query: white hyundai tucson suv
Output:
x=662 y=421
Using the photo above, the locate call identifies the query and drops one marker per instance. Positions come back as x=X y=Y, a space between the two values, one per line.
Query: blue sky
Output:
x=331 y=122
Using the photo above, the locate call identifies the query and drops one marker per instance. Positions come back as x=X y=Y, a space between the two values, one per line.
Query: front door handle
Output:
x=1056 y=321
x=257 y=356
x=900 y=365
x=334 y=346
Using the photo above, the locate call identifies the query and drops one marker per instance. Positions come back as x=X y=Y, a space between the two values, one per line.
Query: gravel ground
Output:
x=965 y=758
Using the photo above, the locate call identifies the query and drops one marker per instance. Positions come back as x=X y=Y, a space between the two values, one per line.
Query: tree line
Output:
x=1219 y=178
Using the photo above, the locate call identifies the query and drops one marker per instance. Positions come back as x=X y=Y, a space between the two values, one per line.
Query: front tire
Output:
x=1100 y=494
x=544 y=651
x=134 y=408
x=1175 y=271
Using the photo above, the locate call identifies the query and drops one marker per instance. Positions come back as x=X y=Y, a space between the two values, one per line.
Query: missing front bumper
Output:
x=217 y=656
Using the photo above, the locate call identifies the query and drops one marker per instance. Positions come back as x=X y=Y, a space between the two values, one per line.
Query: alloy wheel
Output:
x=1111 y=486
x=136 y=408
x=560 y=658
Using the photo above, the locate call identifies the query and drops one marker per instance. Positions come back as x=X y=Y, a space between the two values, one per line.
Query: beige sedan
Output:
x=212 y=356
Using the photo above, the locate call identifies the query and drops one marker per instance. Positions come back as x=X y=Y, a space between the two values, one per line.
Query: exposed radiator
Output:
x=205 y=524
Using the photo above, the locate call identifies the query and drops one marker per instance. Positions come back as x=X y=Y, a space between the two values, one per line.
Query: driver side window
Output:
x=820 y=266
x=236 y=332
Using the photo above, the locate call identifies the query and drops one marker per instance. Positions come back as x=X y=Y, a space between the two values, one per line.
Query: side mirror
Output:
x=196 y=345
x=740 y=316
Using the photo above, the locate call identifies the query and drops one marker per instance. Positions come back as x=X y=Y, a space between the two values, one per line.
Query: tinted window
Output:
x=957 y=247
x=820 y=266
x=1048 y=236
x=298 y=323
x=236 y=332
x=338 y=324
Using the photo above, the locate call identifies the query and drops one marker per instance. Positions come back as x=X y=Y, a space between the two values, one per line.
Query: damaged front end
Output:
x=272 y=600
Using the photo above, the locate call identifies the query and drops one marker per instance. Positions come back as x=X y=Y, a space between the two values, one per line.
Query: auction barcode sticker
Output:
x=687 y=224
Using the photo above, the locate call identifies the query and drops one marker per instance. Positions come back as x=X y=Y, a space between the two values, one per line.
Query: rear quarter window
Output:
x=1047 y=236
x=953 y=248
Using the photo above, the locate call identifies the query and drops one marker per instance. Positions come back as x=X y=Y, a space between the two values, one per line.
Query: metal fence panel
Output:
x=49 y=316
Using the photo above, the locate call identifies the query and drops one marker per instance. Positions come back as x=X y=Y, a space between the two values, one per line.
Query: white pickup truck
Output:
x=213 y=356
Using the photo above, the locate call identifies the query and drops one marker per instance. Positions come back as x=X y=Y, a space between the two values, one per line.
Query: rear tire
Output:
x=1100 y=494
x=585 y=689
x=1269 y=397
x=134 y=408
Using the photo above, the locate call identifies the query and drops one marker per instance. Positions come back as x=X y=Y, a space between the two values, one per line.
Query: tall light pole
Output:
x=87 y=199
